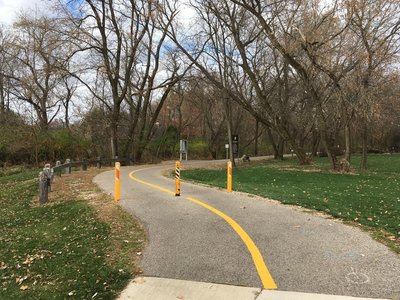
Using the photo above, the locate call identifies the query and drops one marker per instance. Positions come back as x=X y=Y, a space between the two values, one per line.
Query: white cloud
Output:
x=11 y=9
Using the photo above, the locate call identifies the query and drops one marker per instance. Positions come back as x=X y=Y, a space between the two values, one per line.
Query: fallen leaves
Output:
x=24 y=287
x=139 y=280
x=19 y=280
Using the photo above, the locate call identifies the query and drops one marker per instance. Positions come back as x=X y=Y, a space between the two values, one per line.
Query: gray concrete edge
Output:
x=154 y=288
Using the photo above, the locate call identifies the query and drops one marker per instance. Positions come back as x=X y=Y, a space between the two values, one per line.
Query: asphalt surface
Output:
x=304 y=252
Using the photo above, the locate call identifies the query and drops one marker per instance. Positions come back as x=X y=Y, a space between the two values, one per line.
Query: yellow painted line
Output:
x=149 y=184
x=266 y=278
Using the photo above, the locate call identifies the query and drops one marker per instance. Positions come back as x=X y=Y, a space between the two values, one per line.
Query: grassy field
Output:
x=369 y=198
x=62 y=250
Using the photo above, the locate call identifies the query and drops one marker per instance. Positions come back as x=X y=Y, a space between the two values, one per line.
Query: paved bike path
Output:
x=303 y=252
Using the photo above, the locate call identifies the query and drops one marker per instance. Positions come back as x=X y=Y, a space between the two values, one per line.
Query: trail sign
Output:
x=235 y=144
x=183 y=149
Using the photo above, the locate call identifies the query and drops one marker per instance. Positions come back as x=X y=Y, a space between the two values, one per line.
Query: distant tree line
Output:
x=128 y=78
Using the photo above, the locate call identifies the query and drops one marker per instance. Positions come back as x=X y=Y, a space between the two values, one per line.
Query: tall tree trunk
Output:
x=347 y=140
x=228 y=117
x=43 y=120
x=114 y=132
x=316 y=138
x=256 y=139
x=364 y=141
x=134 y=118
x=2 y=100
x=281 y=148
x=66 y=118
x=330 y=151
x=273 y=144
x=327 y=138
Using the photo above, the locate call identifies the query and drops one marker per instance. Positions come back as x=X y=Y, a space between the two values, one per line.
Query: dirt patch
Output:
x=127 y=234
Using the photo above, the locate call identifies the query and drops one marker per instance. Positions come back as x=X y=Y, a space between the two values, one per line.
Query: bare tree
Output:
x=377 y=26
x=35 y=63
x=112 y=31
x=3 y=79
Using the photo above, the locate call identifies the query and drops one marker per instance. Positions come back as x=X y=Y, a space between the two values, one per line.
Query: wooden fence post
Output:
x=68 y=167
x=43 y=188
x=58 y=164
x=84 y=165
x=48 y=173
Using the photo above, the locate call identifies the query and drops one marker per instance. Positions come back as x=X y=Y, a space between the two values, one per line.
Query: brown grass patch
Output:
x=127 y=235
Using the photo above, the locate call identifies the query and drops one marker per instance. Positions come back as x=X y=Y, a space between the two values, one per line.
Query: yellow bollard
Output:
x=178 y=178
x=229 y=180
x=117 y=182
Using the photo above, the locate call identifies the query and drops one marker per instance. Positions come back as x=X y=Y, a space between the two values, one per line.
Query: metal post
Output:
x=229 y=179
x=117 y=182
x=178 y=178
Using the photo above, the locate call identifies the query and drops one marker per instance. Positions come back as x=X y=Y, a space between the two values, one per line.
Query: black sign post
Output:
x=235 y=145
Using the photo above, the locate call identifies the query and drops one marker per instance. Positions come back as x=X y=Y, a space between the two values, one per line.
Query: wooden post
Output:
x=43 y=188
x=58 y=164
x=84 y=165
x=98 y=162
x=68 y=168
x=47 y=172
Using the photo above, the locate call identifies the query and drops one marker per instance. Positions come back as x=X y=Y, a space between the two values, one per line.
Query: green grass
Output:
x=52 y=252
x=369 y=198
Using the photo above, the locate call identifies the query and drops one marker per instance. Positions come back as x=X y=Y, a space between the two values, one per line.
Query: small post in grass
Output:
x=58 y=164
x=178 y=178
x=98 y=162
x=229 y=179
x=43 y=188
x=117 y=182
x=48 y=172
x=68 y=167
x=84 y=164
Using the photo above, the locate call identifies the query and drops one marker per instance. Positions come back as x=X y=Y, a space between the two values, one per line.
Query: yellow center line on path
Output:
x=263 y=273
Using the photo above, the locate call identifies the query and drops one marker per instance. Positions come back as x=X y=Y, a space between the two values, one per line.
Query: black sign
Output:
x=235 y=144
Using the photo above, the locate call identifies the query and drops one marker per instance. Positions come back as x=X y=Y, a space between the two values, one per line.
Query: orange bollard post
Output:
x=178 y=178
x=229 y=179
x=117 y=182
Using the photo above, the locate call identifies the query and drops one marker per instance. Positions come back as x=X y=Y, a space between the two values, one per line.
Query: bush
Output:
x=198 y=148
x=22 y=144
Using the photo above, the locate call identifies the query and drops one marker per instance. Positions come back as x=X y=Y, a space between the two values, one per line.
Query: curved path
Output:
x=211 y=236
